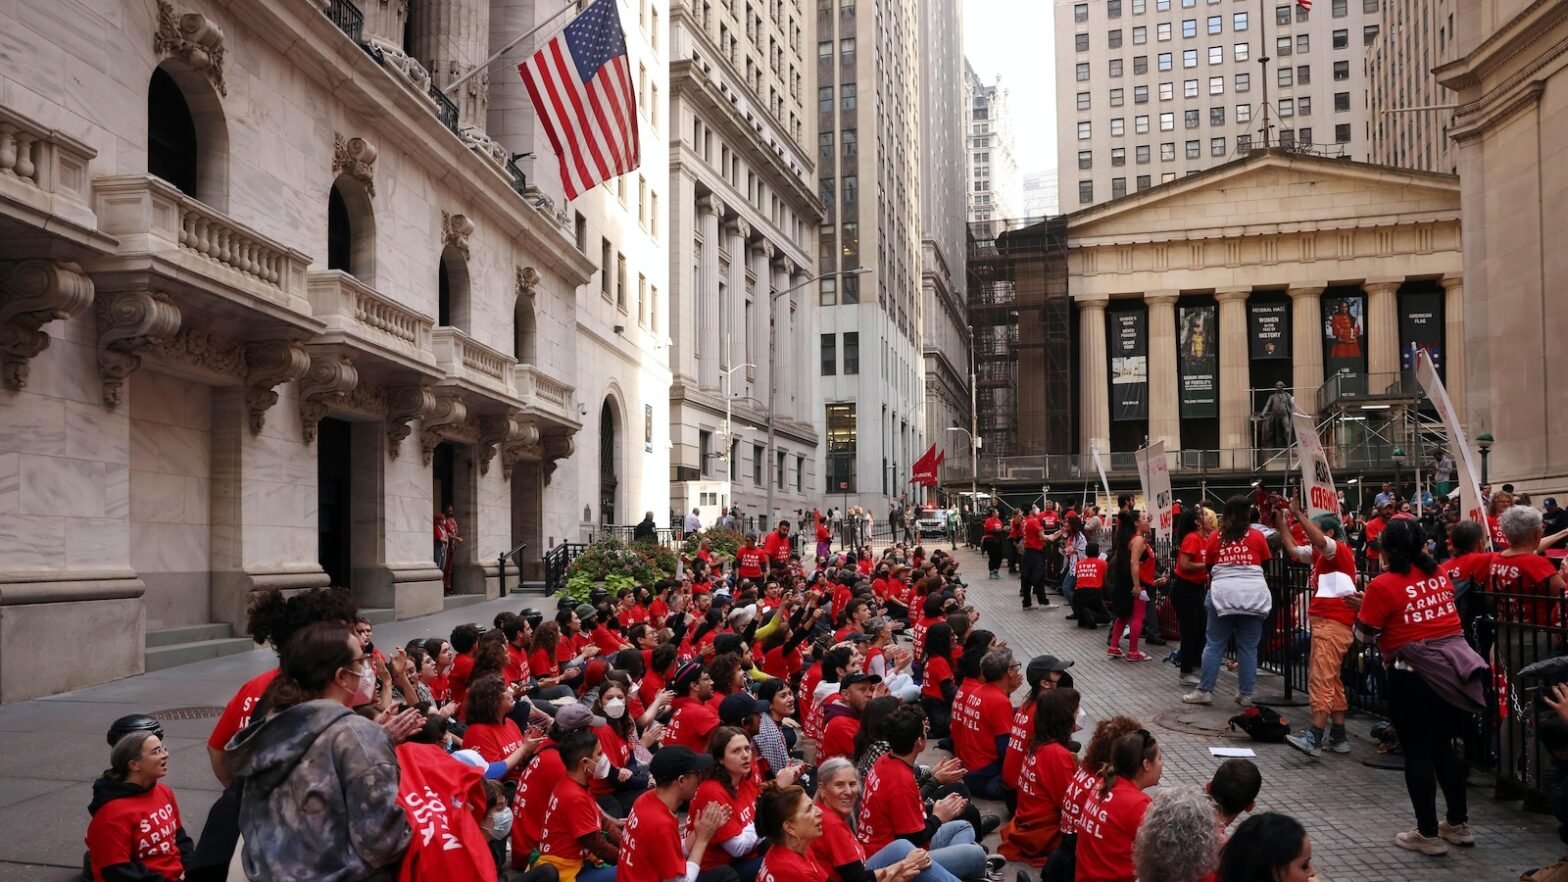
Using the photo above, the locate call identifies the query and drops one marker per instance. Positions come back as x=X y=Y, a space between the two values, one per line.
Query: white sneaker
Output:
x=1455 y=834
x=1198 y=696
x=1428 y=845
x=1244 y=699
x=1190 y=679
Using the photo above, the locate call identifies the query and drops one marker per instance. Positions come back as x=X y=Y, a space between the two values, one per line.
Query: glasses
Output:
x=160 y=750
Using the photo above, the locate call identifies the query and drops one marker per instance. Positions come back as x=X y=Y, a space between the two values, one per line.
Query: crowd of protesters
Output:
x=753 y=719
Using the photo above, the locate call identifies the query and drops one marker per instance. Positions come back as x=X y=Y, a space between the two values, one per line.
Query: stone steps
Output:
x=189 y=634
x=457 y=601
x=172 y=647
x=379 y=615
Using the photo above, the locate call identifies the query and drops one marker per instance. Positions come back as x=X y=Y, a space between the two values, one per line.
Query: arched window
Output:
x=452 y=290
x=609 y=479
x=187 y=139
x=351 y=230
x=525 y=333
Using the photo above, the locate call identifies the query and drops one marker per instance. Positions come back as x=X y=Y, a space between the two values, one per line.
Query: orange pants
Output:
x=1325 y=690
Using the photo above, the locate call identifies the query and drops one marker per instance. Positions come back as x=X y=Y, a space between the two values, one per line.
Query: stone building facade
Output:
x=266 y=303
x=1406 y=108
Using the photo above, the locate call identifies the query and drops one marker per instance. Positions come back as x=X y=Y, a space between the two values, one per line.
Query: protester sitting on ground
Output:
x=1043 y=777
x=440 y=685
x=136 y=832
x=935 y=782
x=539 y=779
x=777 y=728
x=321 y=791
x=1331 y=616
x=1269 y=847
x=452 y=791
x=731 y=784
x=1234 y=789
x=791 y=823
x=982 y=722
x=1239 y=601
x=938 y=689
x=1085 y=783
x=619 y=738
x=892 y=807
x=1043 y=673
x=1089 y=586
x=1113 y=812
x=491 y=732
x=843 y=718
x=692 y=718
x=889 y=662
x=652 y=846
x=1178 y=841
x=465 y=642
x=841 y=853
x=575 y=840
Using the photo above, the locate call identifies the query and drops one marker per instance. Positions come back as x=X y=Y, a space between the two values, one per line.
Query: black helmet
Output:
x=133 y=723
x=565 y=602
x=532 y=616
x=598 y=595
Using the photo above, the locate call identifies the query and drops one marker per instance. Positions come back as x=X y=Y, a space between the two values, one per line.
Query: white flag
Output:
x=1154 y=474
x=1317 y=482
x=1469 y=492
x=1100 y=467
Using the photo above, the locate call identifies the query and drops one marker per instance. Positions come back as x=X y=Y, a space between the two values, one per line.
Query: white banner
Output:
x=1100 y=467
x=1317 y=482
x=1154 y=473
x=1469 y=492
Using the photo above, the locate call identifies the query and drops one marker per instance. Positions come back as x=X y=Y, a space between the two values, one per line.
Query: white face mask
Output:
x=366 y=690
x=1080 y=720
x=615 y=708
x=601 y=770
x=499 y=824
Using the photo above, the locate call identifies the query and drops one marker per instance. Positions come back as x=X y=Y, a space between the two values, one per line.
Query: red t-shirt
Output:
x=543 y=663
x=618 y=751
x=788 y=865
x=1476 y=567
x=993 y=525
x=810 y=708
x=1106 y=830
x=1374 y=529
x=891 y=805
x=495 y=741
x=633 y=615
x=650 y=843
x=777 y=548
x=748 y=561
x=570 y=645
x=743 y=810
x=517 y=669
x=691 y=723
x=1079 y=789
x=444 y=801
x=572 y=815
x=1034 y=534
x=609 y=643
x=1194 y=545
x=1528 y=575
x=457 y=679
x=534 y=787
x=777 y=663
x=137 y=828
x=1408 y=607
x=1344 y=562
x=938 y=671
x=919 y=633
x=1019 y=737
x=838 y=739
x=1089 y=574
x=981 y=714
x=1042 y=786
x=837 y=846
x=236 y=714
x=1252 y=550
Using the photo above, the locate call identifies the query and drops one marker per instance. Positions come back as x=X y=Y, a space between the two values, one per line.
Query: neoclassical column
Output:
x=1094 y=371
x=777 y=341
x=1235 y=377
x=734 y=311
x=1454 y=343
x=762 y=254
x=1382 y=323
x=1306 y=342
x=1164 y=378
x=709 y=210
x=452 y=37
x=794 y=310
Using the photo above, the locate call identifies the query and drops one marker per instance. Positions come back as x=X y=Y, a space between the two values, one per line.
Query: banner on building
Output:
x=1317 y=482
x=1154 y=474
x=1469 y=492
x=1199 y=363
x=1421 y=329
x=1129 y=365
x=1269 y=324
x=1345 y=343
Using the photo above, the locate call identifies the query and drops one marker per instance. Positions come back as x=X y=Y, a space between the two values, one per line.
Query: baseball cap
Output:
x=470 y=758
x=851 y=679
x=676 y=760
x=577 y=716
x=1042 y=665
x=1551 y=502
x=737 y=707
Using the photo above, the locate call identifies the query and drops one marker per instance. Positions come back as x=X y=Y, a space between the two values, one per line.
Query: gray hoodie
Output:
x=321 y=796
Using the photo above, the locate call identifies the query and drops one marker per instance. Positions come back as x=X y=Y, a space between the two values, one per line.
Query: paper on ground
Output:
x=1231 y=751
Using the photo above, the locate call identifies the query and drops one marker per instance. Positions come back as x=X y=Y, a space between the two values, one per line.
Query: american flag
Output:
x=1305 y=4
x=581 y=86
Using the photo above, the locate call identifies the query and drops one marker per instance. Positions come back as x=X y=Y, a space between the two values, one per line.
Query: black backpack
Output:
x=1263 y=723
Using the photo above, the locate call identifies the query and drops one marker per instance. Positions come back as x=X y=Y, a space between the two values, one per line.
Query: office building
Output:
x=1405 y=103
x=995 y=190
x=1039 y=200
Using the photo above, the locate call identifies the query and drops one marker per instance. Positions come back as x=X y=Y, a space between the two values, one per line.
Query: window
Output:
x=1142 y=154
x=642 y=300
x=1368 y=35
x=1113 y=38
x=1080 y=42
x=1303 y=44
x=1162 y=31
x=846 y=51
x=1116 y=97
x=1287 y=137
x=851 y=140
x=851 y=353
x=1118 y=187
x=1081 y=12
x=1194 y=150
x=756 y=464
x=1301 y=14
x=1162 y=5
x=1189 y=88
x=827 y=291
x=1139 y=7
x=1285 y=76
x=1341 y=102
x=1140 y=64
x=1140 y=94
x=1287 y=107
x=842 y=449
x=1304 y=135
x=1083 y=101
x=581 y=228
x=1140 y=124
x=850 y=286
x=1081 y=71
x=1118 y=157
x=604 y=268
x=1164 y=61
x=1282 y=15
x=620 y=281
x=1341 y=8
x=1282 y=45
x=1140 y=35
x=1167 y=122
x=1189 y=28
x=1238 y=21
x=1342 y=133
x=1216 y=55
x=1243 y=113
x=1243 y=144
x=1085 y=192
x=1085 y=159
x=1303 y=74
x=1143 y=183
x=1167 y=91
x=1239 y=52
x=1085 y=130
x=825 y=49
x=1113 y=8
x=1189 y=58
x=1168 y=151
x=1216 y=24
x=1217 y=115
x=1217 y=146
x=1243 y=82
x=825 y=99
x=851 y=247
x=1190 y=117
x=1115 y=67
x=827 y=191
x=847 y=96
x=1341 y=70
x=829 y=355
x=1118 y=127
x=850 y=187
x=1369 y=5
x=1304 y=105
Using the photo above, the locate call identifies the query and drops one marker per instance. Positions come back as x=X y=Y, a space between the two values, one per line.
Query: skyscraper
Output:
x=996 y=190
x=1409 y=122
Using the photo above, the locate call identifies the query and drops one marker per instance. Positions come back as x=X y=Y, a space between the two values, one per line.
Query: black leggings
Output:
x=1032 y=581
x=993 y=553
x=1427 y=726
x=1193 y=619
x=1089 y=606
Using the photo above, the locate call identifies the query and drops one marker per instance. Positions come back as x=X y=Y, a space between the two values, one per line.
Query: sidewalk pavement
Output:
x=55 y=747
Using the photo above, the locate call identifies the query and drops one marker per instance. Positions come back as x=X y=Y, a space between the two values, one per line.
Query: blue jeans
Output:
x=605 y=873
x=1069 y=579
x=953 y=848
x=986 y=781
x=1248 y=632
x=896 y=851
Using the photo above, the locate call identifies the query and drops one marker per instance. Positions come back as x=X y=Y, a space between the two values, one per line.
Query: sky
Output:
x=1013 y=39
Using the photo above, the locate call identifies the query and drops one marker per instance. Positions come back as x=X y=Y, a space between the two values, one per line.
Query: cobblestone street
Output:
x=1350 y=810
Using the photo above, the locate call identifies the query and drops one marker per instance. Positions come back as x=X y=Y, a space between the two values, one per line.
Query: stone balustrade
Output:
x=44 y=179
x=362 y=315
x=545 y=394
x=466 y=359
x=214 y=237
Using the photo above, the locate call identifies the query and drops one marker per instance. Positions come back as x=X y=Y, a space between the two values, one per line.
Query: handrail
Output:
x=501 y=564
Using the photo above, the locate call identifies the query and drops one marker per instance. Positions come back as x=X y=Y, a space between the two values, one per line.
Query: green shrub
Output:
x=617 y=565
x=721 y=542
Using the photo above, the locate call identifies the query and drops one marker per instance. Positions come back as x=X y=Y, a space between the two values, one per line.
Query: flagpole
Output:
x=1263 y=59
x=485 y=65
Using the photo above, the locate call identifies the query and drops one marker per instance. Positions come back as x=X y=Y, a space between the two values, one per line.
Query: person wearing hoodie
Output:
x=136 y=834
x=321 y=782
x=1239 y=601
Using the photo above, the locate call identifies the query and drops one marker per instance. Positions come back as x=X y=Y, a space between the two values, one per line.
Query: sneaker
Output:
x=993 y=868
x=1190 y=679
x=1429 y=845
x=1455 y=834
x=1340 y=746
x=1138 y=656
x=1113 y=652
x=1244 y=699
x=1306 y=744
x=1071 y=617
x=1198 y=696
x=1156 y=641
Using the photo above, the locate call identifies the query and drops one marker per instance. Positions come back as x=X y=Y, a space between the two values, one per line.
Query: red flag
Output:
x=581 y=87
x=924 y=469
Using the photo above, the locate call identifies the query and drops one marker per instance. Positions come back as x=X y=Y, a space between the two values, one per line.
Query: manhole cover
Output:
x=1201 y=721
x=187 y=713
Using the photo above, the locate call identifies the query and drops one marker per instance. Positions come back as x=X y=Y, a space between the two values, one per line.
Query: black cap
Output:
x=1042 y=665
x=851 y=679
x=734 y=709
x=133 y=723
x=676 y=760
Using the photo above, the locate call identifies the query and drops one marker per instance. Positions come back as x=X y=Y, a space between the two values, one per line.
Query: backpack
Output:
x=1263 y=723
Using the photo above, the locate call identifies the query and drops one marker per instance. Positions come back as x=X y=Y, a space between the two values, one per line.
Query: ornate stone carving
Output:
x=711 y=202
x=455 y=230
x=32 y=294
x=523 y=444
x=556 y=448
x=404 y=404
x=129 y=324
x=527 y=282
x=740 y=228
x=330 y=379
x=449 y=411
x=356 y=158
x=202 y=349
x=368 y=399
x=194 y=39
x=270 y=363
x=494 y=430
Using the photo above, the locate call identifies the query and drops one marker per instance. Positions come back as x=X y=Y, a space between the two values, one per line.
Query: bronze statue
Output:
x=1274 y=422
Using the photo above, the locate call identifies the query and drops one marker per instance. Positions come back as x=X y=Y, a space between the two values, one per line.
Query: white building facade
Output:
x=996 y=189
x=1406 y=106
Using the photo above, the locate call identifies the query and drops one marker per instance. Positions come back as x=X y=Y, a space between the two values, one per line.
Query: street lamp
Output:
x=1483 y=442
x=1399 y=460
x=773 y=367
